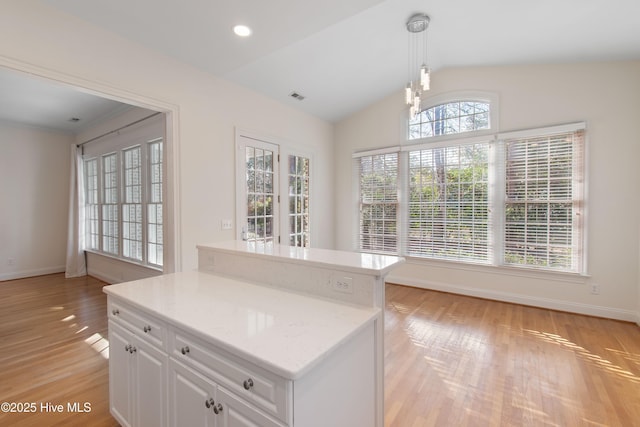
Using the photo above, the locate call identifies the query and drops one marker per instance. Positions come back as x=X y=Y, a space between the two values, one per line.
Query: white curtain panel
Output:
x=76 y=265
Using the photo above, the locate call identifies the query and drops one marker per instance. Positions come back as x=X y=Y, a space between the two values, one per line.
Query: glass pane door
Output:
x=259 y=197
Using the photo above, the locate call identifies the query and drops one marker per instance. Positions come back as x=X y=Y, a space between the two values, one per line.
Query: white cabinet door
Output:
x=120 y=375
x=236 y=413
x=192 y=397
x=150 y=376
x=137 y=380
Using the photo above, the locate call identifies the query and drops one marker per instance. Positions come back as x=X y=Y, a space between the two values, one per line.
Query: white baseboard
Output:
x=104 y=277
x=31 y=273
x=571 y=307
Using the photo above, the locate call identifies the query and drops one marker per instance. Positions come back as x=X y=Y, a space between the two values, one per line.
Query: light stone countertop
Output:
x=374 y=264
x=280 y=331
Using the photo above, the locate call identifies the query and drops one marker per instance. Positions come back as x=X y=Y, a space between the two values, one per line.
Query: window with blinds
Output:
x=505 y=200
x=379 y=203
x=92 y=204
x=449 y=203
x=543 y=201
x=132 y=204
x=123 y=181
x=154 y=205
x=110 y=207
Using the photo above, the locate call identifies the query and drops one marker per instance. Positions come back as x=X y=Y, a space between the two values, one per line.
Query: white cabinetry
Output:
x=313 y=271
x=137 y=372
x=196 y=349
x=197 y=400
x=192 y=397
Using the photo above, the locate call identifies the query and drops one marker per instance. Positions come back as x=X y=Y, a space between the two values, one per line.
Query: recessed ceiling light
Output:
x=242 y=30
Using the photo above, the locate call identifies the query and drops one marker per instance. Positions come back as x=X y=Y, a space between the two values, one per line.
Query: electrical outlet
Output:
x=343 y=284
x=595 y=289
x=211 y=261
x=226 y=224
x=11 y=261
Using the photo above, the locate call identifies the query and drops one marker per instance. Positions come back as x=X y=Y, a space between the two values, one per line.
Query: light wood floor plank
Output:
x=53 y=349
x=450 y=360
x=496 y=364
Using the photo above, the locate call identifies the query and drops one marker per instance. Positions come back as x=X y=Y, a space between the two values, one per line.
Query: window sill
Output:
x=535 y=273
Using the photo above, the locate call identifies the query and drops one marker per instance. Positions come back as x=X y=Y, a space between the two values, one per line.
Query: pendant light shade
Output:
x=419 y=74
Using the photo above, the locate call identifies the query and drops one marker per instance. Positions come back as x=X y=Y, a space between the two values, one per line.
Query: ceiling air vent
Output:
x=296 y=95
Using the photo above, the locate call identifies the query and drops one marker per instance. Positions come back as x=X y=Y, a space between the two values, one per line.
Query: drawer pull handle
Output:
x=217 y=409
x=184 y=350
x=248 y=384
x=147 y=329
x=209 y=403
x=115 y=311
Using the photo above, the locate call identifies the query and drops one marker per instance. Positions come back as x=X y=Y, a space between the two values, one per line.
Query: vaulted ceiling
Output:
x=343 y=55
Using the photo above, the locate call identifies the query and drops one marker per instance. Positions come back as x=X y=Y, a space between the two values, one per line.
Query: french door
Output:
x=257 y=190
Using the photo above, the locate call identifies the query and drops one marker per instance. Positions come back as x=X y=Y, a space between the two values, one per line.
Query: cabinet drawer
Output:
x=235 y=412
x=258 y=386
x=140 y=324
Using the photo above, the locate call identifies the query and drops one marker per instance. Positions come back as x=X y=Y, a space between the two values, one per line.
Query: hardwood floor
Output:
x=53 y=349
x=450 y=360
x=459 y=361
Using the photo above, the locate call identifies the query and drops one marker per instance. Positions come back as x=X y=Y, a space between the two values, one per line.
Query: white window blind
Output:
x=517 y=200
x=378 y=202
x=92 y=204
x=154 y=205
x=448 y=203
x=110 y=203
x=543 y=201
x=132 y=204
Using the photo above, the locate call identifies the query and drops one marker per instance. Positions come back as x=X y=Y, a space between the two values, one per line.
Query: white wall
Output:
x=205 y=112
x=34 y=195
x=606 y=96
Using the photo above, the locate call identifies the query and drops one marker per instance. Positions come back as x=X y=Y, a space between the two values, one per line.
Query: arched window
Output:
x=451 y=118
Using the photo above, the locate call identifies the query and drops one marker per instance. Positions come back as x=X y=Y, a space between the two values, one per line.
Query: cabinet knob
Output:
x=209 y=403
x=115 y=311
x=127 y=348
x=185 y=349
x=132 y=349
x=217 y=408
x=248 y=384
x=147 y=329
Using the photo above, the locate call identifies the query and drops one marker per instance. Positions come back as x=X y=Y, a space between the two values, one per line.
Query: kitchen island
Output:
x=206 y=348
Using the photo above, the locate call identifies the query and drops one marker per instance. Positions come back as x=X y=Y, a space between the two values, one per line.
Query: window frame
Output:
x=301 y=214
x=132 y=203
x=154 y=228
x=393 y=203
x=110 y=231
x=451 y=203
x=140 y=135
x=281 y=215
x=458 y=96
x=496 y=203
